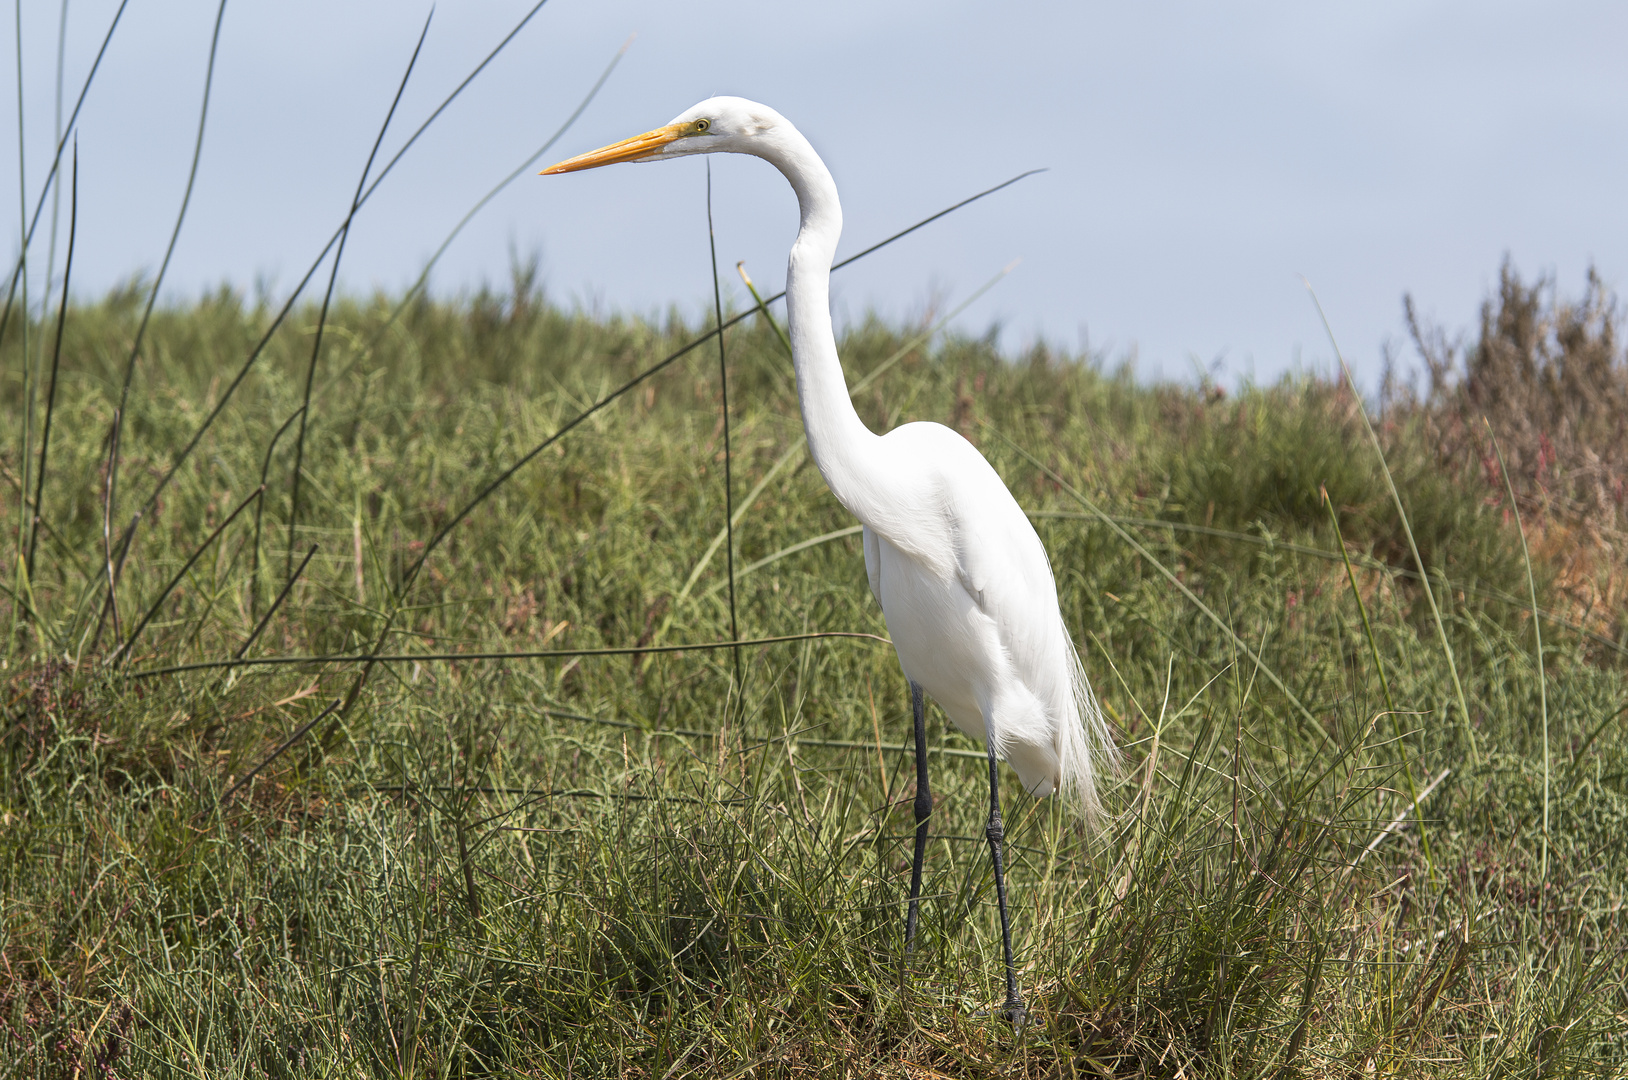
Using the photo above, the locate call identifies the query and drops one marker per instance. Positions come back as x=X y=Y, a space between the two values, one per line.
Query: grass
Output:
x=609 y=865
x=1371 y=820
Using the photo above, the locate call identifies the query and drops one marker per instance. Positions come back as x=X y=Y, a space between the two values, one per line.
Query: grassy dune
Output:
x=631 y=865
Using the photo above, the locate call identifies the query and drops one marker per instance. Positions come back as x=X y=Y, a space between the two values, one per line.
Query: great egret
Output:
x=962 y=577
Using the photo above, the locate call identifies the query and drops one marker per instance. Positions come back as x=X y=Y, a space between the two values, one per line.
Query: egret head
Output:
x=719 y=125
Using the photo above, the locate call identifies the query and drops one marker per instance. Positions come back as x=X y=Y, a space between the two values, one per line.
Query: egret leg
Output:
x=923 y=808
x=1014 y=1009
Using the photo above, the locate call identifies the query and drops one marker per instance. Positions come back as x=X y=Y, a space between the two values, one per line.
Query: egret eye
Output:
x=702 y=125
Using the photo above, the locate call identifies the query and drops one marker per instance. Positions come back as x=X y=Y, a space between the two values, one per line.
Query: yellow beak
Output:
x=635 y=149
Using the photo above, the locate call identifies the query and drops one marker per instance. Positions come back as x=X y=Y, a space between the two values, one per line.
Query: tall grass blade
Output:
x=1599 y=729
x=789 y=550
x=1397 y=822
x=56 y=209
x=110 y=599
x=1537 y=647
x=1379 y=669
x=969 y=200
x=763 y=309
x=1407 y=529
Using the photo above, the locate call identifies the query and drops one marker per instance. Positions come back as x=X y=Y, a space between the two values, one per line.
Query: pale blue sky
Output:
x=1202 y=156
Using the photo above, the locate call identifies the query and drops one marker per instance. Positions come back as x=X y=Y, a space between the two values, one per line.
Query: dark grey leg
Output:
x=923 y=808
x=1014 y=1009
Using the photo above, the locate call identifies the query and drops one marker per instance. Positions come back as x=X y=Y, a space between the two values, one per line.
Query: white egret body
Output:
x=962 y=578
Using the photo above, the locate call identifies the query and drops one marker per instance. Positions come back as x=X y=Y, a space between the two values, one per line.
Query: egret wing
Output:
x=873 y=561
x=1003 y=566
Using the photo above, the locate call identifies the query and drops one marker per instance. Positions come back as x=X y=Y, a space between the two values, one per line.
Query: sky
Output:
x=1203 y=161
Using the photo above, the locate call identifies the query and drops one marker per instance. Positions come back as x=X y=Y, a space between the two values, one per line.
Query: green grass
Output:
x=621 y=866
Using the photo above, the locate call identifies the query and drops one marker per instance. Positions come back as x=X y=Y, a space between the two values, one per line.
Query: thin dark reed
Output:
x=56 y=363
x=723 y=390
x=260 y=508
x=275 y=754
x=830 y=744
x=110 y=604
x=388 y=786
x=924 y=221
x=439 y=109
x=62 y=142
x=27 y=430
x=175 y=235
x=57 y=136
x=327 y=298
x=123 y=652
x=532 y=654
x=288 y=586
x=480 y=204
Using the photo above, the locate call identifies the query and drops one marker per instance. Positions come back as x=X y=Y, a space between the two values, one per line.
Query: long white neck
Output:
x=844 y=450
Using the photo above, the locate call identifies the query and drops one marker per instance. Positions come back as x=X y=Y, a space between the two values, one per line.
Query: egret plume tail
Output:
x=1085 y=749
